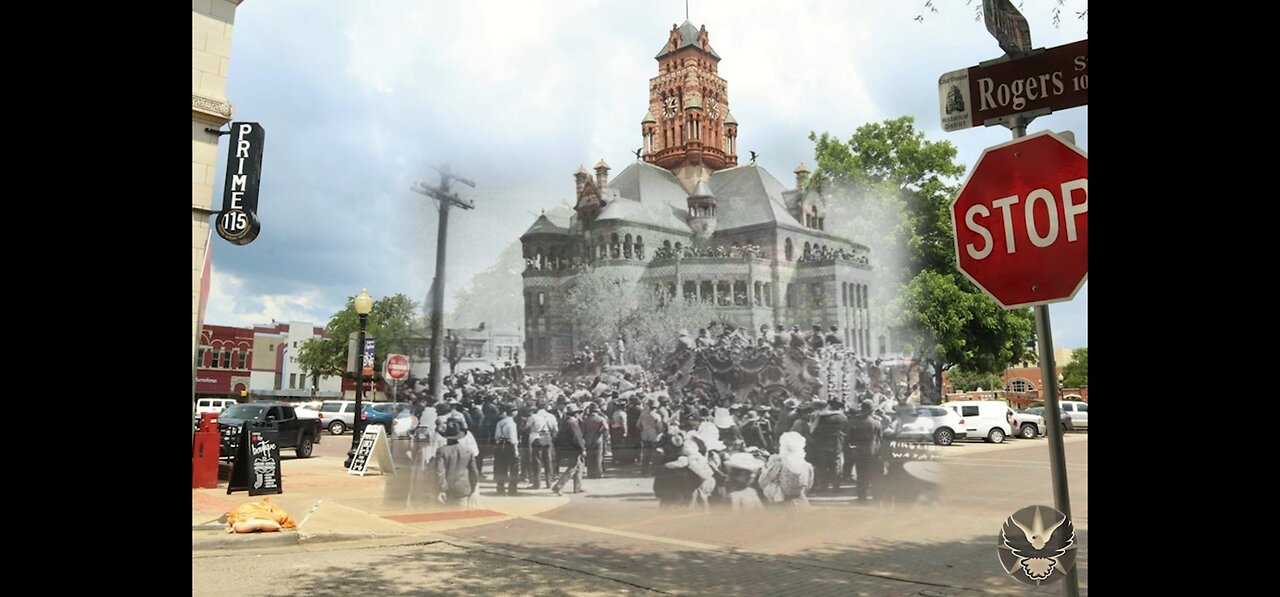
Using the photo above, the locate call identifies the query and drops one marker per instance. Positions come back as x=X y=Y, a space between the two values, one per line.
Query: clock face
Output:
x=670 y=106
x=713 y=108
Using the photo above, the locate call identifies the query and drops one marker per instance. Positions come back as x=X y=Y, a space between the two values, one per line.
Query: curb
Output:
x=234 y=541
x=292 y=538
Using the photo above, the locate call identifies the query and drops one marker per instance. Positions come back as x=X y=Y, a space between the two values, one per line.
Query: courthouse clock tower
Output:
x=688 y=129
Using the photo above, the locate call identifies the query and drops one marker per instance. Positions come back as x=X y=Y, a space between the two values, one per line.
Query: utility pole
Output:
x=447 y=200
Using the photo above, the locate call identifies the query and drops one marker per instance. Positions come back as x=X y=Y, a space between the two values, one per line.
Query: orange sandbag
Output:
x=263 y=510
x=257 y=525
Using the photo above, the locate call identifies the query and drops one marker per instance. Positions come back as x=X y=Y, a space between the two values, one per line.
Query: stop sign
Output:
x=1022 y=221
x=397 y=367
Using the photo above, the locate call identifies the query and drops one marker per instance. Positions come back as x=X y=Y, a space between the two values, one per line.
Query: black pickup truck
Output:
x=291 y=432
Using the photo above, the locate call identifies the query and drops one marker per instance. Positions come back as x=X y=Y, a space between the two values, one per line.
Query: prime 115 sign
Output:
x=238 y=221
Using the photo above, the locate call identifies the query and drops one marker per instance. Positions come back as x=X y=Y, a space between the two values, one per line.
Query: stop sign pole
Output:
x=1049 y=381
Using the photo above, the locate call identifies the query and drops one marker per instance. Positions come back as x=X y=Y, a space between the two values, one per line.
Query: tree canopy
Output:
x=390 y=322
x=891 y=188
x=966 y=381
x=649 y=320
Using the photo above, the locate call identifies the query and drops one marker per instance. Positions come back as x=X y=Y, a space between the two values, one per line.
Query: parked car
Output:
x=1079 y=412
x=337 y=415
x=301 y=434
x=383 y=413
x=1027 y=425
x=212 y=405
x=988 y=419
x=1067 y=423
x=927 y=424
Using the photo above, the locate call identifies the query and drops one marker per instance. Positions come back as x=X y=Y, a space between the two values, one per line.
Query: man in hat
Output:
x=766 y=423
x=787 y=418
x=618 y=431
x=864 y=439
x=541 y=429
x=456 y=465
x=633 y=428
x=828 y=447
x=753 y=435
x=815 y=338
x=652 y=425
x=833 y=336
x=781 y=338
x=595 y=435
x=571 y=448
x=506 y=458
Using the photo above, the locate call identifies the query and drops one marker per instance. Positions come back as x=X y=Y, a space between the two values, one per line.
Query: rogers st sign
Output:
x=1039 y=83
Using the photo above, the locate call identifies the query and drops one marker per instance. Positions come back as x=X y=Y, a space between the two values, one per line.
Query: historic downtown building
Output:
x=689 y=219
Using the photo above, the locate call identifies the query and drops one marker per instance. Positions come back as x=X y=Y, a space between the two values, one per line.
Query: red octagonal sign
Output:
x=396 y=367
x=1022 y=221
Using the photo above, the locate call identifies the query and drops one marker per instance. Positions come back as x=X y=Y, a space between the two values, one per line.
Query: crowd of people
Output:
x=823 y=253
x=733 y=251
x=553 y=432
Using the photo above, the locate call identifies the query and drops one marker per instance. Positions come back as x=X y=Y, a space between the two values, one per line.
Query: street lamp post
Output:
x=364 y=304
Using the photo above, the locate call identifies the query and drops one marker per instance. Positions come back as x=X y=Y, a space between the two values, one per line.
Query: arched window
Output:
x=666 y=244
x=639 y=247
x=604 y=252
x=1021 y=385
x=626 y=247
x=615 y=248
x=808 y=251
x=679 y=250
x=790 y=251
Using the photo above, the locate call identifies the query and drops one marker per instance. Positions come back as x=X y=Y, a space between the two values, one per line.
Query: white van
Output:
x=212 y=405
x=988 y=419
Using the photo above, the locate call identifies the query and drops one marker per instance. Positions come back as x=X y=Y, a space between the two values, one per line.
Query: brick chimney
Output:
x=802 y=177
x=580 y=179
x=602 y=176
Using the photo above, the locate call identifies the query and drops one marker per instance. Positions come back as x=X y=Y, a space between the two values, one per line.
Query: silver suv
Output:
x=337 y=415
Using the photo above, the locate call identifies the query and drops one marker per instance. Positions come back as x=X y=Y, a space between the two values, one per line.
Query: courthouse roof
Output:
x=544 y=225
x=648 y=195
x=688 y=37
x=748 y=195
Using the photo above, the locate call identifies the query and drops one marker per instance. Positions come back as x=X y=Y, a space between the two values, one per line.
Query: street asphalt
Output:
x=614 y=540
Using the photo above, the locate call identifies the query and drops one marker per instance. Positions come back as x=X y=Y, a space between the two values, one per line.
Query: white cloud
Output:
x=229 y=305
x=358 y=98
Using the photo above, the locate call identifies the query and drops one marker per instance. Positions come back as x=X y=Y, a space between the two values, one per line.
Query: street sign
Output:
x=1021 y=221
x=238 y=221
x=1036 y=84
x=396 y=367
x=1007 y=25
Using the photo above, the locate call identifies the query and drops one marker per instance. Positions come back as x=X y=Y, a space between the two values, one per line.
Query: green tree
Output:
x=1076 y=373
x=390 y=322
x=606 y=307
x=966 y=381
x=891 y=188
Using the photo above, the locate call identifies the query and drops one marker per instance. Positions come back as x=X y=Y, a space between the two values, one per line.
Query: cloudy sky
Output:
x=357 y=98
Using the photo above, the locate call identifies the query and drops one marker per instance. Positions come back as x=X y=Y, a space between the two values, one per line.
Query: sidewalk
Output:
x=346 y=507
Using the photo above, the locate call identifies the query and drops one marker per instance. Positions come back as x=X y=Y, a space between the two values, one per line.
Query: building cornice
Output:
x=210 y=110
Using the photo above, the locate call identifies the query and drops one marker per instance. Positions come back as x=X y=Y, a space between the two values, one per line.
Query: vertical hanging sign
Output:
x=238 y=221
